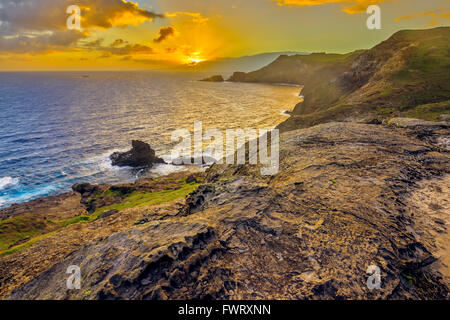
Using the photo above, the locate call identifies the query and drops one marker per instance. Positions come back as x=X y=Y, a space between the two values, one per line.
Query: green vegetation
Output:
x=427 y=67
x=20 y=228
x=26 y=244
x=74 y=220
x=430 y=112
x=409 y=279
x=329 y=57
x=405 y=76
x=30 y=229
x=139 y=199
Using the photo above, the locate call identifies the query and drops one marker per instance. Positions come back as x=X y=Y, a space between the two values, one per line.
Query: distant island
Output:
x=246 y=63
x=217 y=78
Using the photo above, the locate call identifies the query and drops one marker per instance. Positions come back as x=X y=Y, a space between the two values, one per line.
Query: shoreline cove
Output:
x=74 y=145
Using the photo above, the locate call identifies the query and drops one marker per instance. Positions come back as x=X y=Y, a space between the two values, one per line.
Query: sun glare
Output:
x=194 y=58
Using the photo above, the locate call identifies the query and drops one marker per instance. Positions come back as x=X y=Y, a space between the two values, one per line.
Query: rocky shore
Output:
x=370 y=191
x=347 y=196
x=141 y=155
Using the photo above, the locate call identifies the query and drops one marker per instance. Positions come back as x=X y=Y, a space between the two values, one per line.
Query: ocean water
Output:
x=59 y=128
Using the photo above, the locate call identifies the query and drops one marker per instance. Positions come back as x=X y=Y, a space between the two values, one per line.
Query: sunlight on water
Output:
x=58 y=129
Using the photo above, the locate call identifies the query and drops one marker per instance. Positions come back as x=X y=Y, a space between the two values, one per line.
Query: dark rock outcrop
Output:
x=84 y=188
x=217 y=78
x=141 y=155
x=205 y=160
x=107 y=214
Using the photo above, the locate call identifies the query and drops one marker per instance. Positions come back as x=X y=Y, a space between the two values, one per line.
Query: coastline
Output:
x=70 y=144
x=359 y=188
x=314 y=217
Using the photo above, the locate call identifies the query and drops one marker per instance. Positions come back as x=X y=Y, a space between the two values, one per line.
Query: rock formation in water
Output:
x=204 y=160
x=141 y=155
x=217 y=78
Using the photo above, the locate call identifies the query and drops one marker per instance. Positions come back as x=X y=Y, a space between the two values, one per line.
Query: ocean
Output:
x=59 y=128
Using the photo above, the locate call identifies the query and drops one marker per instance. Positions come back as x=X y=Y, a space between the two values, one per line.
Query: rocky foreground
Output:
x=347 y=196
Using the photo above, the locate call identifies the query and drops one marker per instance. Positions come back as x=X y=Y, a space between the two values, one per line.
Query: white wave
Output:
x=28 y=195
x=103 y=162
x=288 y=84
x=166 y=169
x=6 y=182
x=31 y=194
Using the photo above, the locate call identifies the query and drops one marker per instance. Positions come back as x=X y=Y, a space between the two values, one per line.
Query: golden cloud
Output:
x=164 y=33
x=119 y=47
x=40 y=25
x=439 y=13
x=196 y=17
x=23 y=15
x=351 y=6
x=39 y=42
x=129 y=49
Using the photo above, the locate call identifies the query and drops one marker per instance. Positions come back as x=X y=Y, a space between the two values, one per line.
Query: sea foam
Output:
x=6 y=182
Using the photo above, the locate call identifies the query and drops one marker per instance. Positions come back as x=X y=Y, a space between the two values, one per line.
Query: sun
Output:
x=194 y=58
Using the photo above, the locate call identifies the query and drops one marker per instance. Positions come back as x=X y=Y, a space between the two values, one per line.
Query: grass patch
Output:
x=30 y=229
x=74 y=220
x=139 y=199
x=27 y=244
x=430 y=112
x=20 y=228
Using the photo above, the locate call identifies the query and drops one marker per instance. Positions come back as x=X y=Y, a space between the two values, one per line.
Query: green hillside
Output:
x=399 y=77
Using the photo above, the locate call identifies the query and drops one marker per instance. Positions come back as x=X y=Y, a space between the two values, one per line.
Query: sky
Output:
x=166 y=34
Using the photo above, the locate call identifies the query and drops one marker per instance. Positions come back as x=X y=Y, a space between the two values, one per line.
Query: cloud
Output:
x=111 y=13
x=94 y=43
x=115 y=50
x=42 y=42
x=40 y=25
x=129 y=49
x=351 y=6
x=118 y=42
x=164 y=33
x=439 y=13
x=25 y=15
x=196 y=17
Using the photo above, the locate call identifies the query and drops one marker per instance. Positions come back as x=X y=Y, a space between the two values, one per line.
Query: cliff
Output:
x=408 y=74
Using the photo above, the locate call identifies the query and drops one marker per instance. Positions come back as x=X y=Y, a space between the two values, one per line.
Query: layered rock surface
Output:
x=347 y=196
